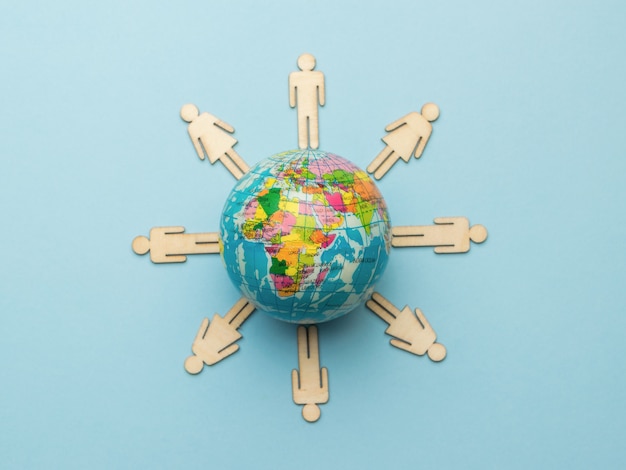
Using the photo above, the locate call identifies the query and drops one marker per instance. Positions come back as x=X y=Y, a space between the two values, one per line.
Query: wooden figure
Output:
x=210 y=136
x=411 y=332
x=407 y=136
x=215 y=341
x=448 y=235
x=171 y=244
x=306 y=91
x=310 y=385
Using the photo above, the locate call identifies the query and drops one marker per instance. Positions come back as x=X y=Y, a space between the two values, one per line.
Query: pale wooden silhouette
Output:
x=171 y=244
x=407 y=136
x=210 y=137
x=411 y=332
x=216 y=341
x=448 y=235
x=310 y=384
x=306 y=92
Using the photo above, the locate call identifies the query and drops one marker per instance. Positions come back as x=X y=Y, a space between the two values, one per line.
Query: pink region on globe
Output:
x=304 y=208
x=272 y=250
x=270 y=230
x=336 y=201
x=281 y=282
x=321 y=276
x=250 y=210
x=330 y=238
x=289 y=220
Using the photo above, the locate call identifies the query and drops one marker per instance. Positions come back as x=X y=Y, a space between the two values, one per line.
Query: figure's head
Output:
x=430 y=111
x=141 y=245
x=189 y=112
x=306 y=62
x=478 y=233
x=193 y=364
x=311 y=412
x=437 y=352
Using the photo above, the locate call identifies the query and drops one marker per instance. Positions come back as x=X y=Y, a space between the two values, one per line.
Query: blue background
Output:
x=529 y=143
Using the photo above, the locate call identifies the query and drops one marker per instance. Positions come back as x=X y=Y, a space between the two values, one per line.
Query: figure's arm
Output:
x=449 y=220
x=324 y=379
x=168 y=230
x=422 y=319
x=398 y=343
x=396 y=124
x=226 y=127
x=295 y=381
x=421 y=146
x=292 y=93
x=322 y=92
x=203 y=327
x=224 y=353
x=197 y=146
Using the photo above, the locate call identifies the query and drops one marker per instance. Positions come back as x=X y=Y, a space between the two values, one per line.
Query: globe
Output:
x=305 y=235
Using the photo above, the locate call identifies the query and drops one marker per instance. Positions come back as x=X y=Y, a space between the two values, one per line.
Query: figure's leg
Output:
x=230 y=166
x=372 y=167
x=314 y=131
x=303 y=131
x=386 y=165
x=243 y=166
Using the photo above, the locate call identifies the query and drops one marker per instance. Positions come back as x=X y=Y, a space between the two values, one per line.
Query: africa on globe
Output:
x=305 y=235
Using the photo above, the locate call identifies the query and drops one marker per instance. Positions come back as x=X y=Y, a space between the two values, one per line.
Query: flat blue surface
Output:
x=529 y=143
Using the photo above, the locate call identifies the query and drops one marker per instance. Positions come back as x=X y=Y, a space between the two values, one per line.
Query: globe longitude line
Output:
x=310 y=203
x=331 y=170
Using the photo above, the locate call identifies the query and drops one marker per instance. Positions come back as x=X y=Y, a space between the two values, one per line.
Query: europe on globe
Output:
x=305 y=235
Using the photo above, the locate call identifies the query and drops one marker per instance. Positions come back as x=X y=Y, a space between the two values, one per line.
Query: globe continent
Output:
x=305 y=235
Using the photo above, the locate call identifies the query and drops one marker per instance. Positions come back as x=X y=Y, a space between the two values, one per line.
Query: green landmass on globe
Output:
x=305 y=235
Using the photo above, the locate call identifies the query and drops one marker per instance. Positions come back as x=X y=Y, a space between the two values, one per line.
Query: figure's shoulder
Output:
x=205 y=118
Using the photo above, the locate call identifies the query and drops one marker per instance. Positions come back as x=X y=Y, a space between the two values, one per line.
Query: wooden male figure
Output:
x=306 y=91
x=310 y=385
x=448 y=235
x=171 y=244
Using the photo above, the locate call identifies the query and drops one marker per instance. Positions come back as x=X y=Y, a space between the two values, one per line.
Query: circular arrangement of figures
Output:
x=305 y=235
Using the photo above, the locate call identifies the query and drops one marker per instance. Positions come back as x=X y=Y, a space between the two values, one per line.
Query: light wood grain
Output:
x=306 y=93
x=406 y=136
x=172 y=244
x=410 y=331
x=215 y=341
x=211 y=138
x=309 y=384
x=448 y=235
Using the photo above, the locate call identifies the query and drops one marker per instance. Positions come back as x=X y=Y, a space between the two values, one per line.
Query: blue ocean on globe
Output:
x=305 y=235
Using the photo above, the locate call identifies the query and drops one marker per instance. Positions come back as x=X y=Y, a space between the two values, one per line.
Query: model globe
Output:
x=305 y=235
